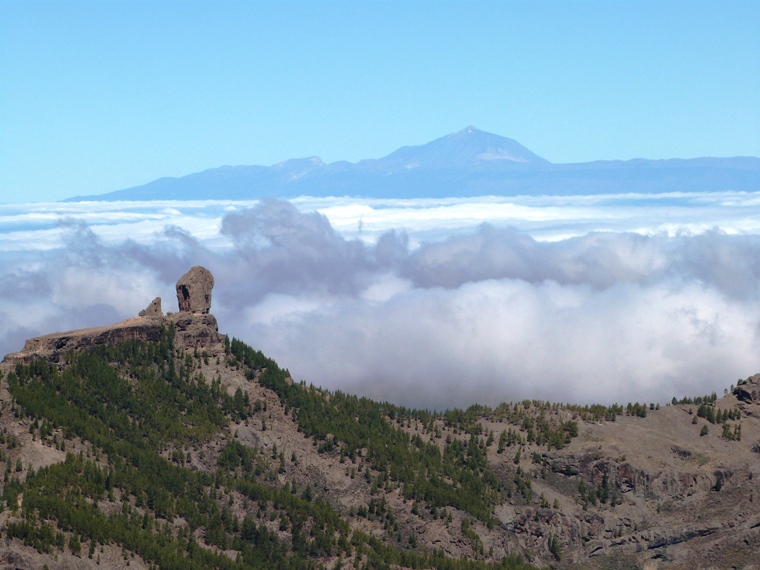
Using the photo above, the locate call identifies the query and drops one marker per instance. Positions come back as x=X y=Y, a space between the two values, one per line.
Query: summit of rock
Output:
x=194 y=290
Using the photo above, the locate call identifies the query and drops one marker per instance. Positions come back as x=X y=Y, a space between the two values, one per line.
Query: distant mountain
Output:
x=465 y=149
x=469 y=162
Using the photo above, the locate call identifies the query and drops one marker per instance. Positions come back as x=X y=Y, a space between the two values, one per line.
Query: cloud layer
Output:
x=485 y=314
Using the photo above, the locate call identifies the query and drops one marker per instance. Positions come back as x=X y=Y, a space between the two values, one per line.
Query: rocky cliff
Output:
x=195 y=326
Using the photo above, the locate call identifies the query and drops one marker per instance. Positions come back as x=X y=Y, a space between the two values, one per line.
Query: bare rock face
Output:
x=195 y=330
x=54 y=346
x=153 y=310
x=749 y=389
x=194 y=290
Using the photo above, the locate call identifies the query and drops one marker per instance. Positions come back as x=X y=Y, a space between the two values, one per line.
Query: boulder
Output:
x=153 y=310
x=194 y=290
x=749 y=390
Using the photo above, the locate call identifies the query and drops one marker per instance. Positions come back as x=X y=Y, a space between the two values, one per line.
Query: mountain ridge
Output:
x=469 y=162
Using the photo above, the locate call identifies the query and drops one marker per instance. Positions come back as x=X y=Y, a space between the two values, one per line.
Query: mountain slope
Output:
x=469 y=162
x=158 y=442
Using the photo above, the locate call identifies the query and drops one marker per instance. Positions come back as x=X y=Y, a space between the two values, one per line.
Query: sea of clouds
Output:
x=425 y=303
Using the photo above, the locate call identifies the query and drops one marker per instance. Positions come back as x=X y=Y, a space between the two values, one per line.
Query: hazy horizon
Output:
x=101 y=96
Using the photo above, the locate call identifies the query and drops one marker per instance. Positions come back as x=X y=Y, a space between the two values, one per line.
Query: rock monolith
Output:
x=153 y=310
x=194 y=290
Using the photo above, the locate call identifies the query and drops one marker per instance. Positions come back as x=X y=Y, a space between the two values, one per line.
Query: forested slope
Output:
x=162 y=454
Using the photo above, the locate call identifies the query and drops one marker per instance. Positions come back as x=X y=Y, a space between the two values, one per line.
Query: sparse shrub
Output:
x=554 y=547
x=75 y=545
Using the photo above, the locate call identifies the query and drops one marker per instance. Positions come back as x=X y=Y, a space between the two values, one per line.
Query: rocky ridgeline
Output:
x=194 y=325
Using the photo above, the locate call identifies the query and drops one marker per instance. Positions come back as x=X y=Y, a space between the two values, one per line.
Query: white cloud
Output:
x=422 y=305
x=507 y=340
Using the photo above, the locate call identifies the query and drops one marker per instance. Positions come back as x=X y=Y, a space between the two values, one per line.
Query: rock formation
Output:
x=194 y=326
x=195 y=330
x=194 y=290
x=54 y=346
x=749 y=390
x=153 y=310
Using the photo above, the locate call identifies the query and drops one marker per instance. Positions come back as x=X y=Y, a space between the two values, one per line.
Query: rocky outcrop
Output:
x=54 y=346
x=194 y=326
x=196 y=331
x=153 y=310
x=749 y=389
x=194 y=290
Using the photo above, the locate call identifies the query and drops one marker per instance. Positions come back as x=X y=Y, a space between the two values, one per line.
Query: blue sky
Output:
x=99 y=96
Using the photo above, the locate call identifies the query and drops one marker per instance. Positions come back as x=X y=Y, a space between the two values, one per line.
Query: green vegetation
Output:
x=137 y=410
x=711 y=399
x=554 y=547
x=708 y=410
x=731 y=432
x=457 y=476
